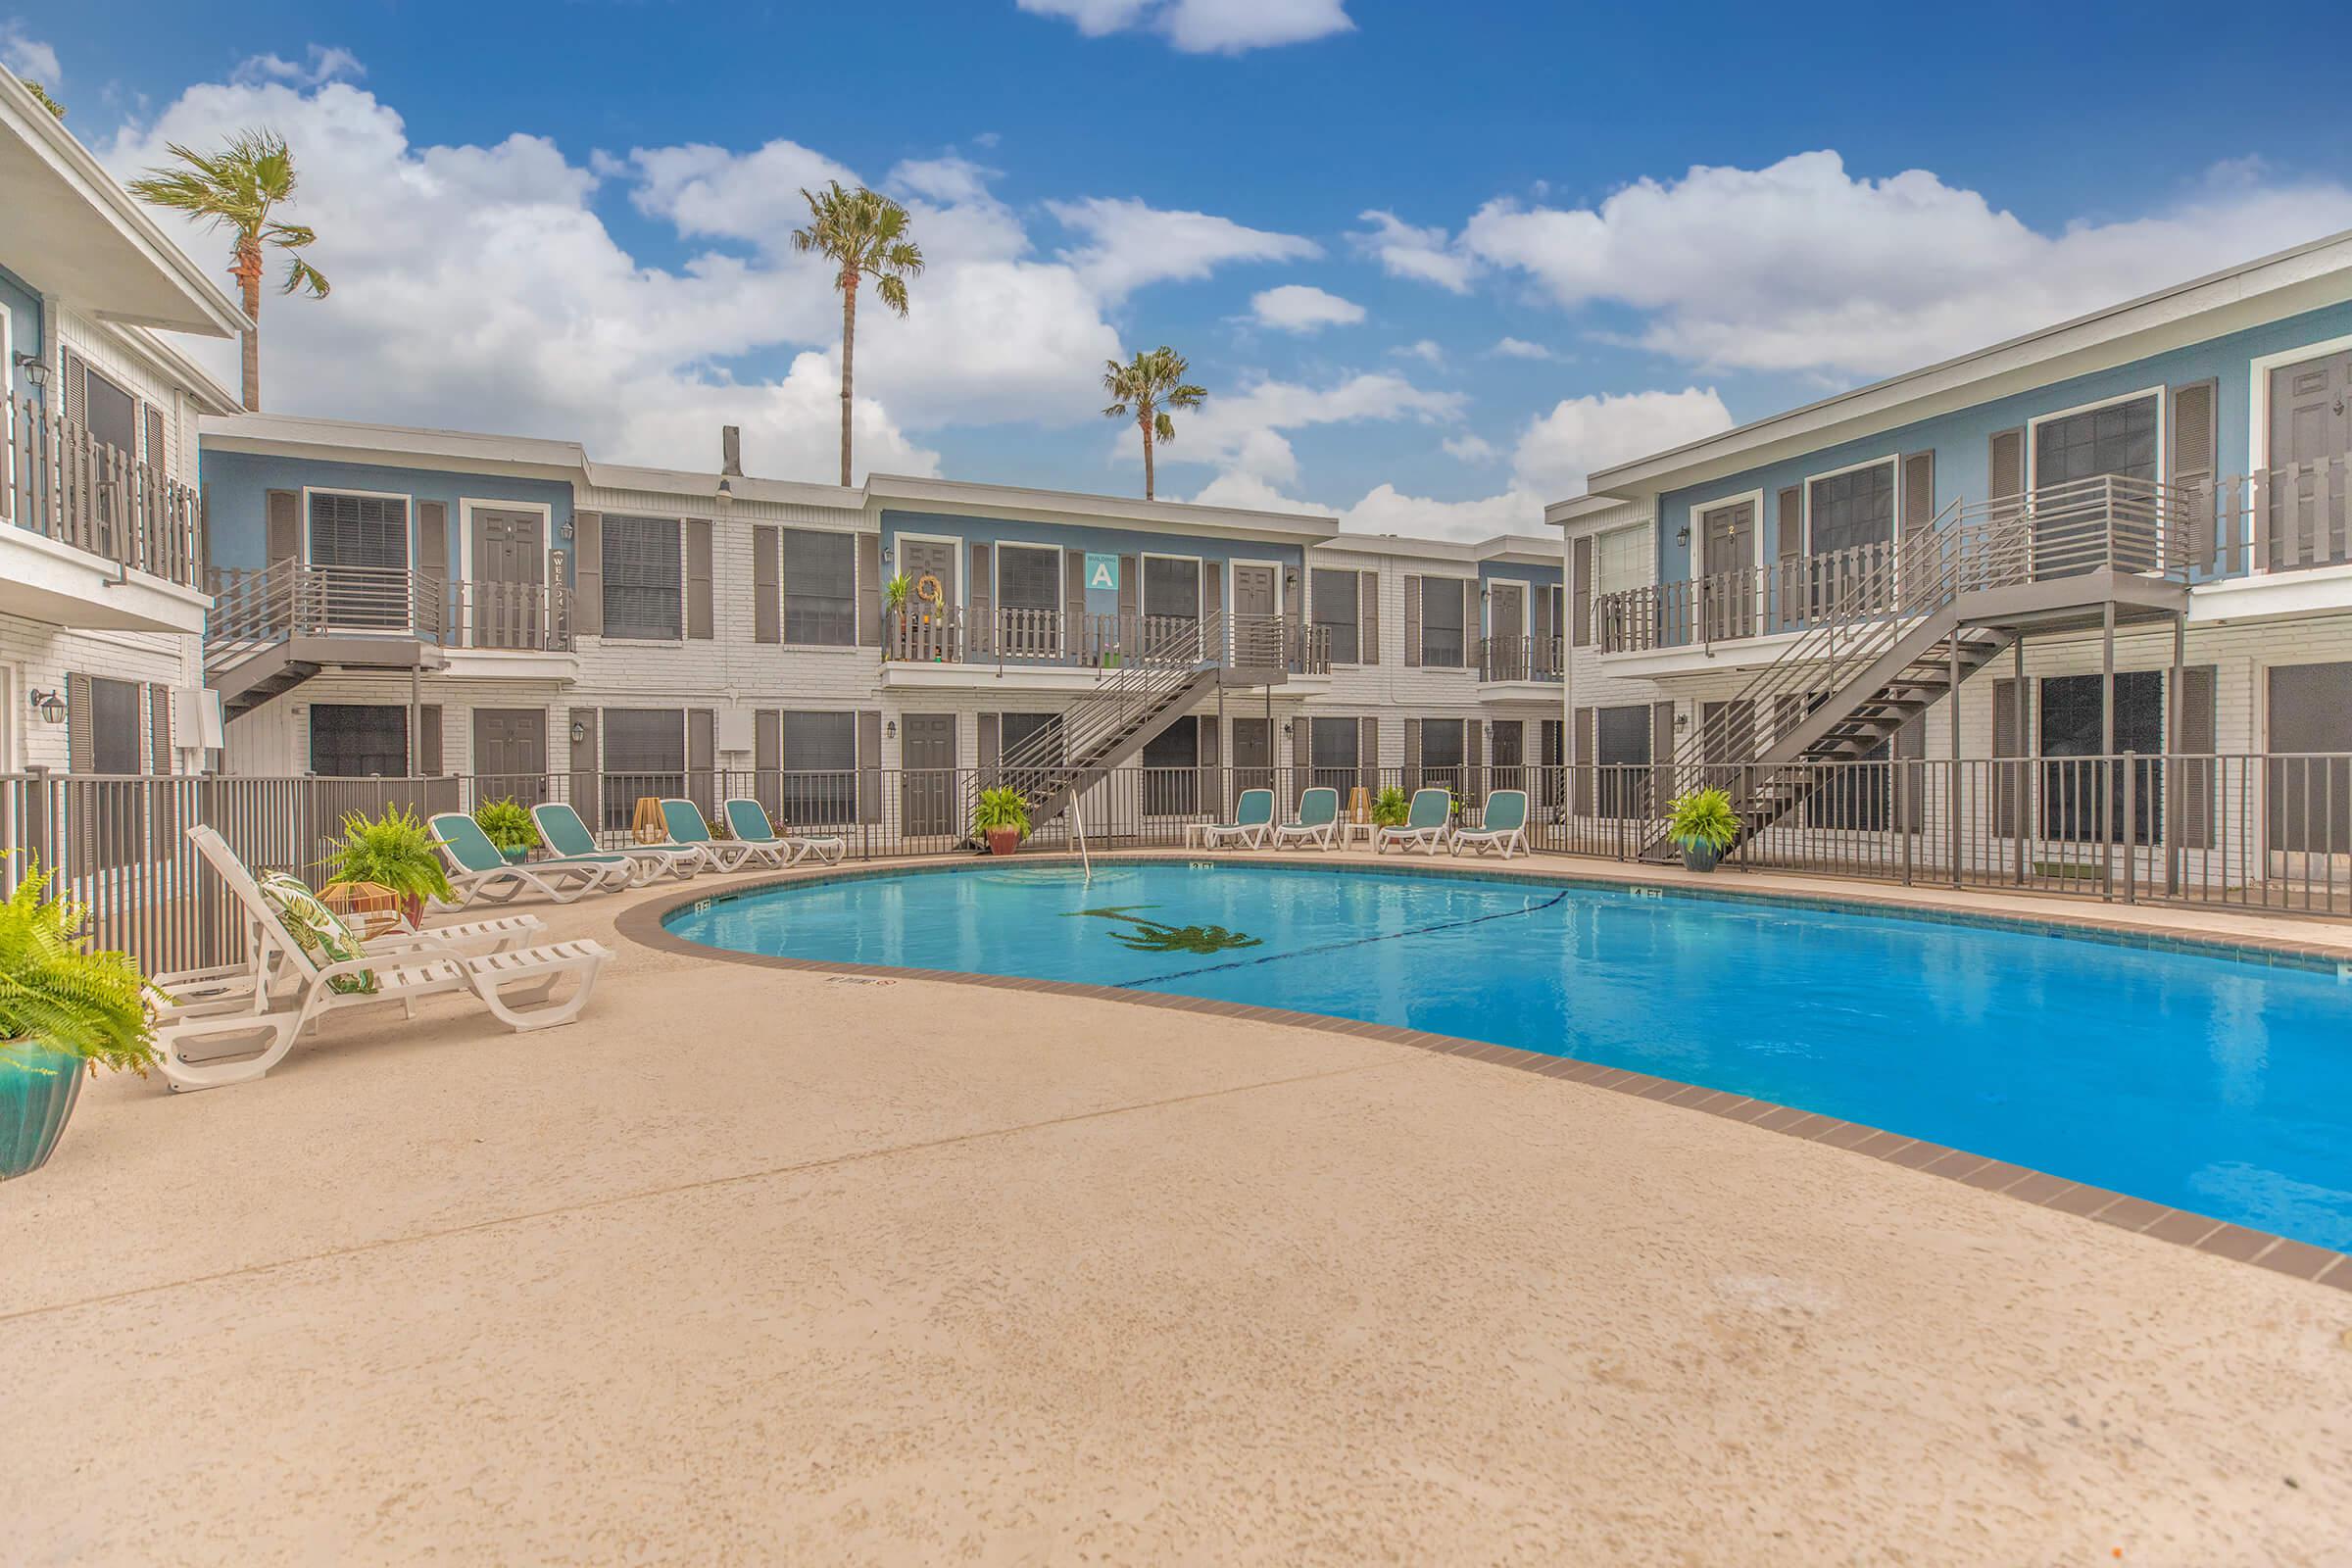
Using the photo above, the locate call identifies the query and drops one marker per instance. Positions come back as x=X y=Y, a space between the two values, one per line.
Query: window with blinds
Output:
x=645 y=755
x=1028 y=578
x=1442 y=623
x=820 y=588
x=1171 y=588
x=1621 y=560
x=1020 y=731
x=1332 y=747
x=821 y=767
x=2118 y=439
x=359 y=740
x=360 y=531
x=1441 y=750
x=644 y=580
x=111 y=414
x=1845 y=510
x=1335 y=615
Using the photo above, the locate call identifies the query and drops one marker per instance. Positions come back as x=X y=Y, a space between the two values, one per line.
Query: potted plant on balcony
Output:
x=1001 y=819
x=1703 y=824
x=894 y=611
x=395 y=852
x=1392 y=808
x=62 y=1008
x=509 y=827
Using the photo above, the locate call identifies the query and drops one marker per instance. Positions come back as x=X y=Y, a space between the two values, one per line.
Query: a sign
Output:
x=1103 y=571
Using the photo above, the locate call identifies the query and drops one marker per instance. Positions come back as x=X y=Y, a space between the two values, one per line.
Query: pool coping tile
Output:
x=646 y=925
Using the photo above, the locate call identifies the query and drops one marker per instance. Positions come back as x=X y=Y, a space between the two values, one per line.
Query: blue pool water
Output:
x=2204 y=1082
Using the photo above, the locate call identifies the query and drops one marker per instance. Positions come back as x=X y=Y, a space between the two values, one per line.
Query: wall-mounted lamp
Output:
x=886 y=554
x=35 y=369
x=1682 y=721
x=1682 y=535
x=1286 y=729
x=726 y=494
x=50 y=706
x=890 y=729
x=580 y=732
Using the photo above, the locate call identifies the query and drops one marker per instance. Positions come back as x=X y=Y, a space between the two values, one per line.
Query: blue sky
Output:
x=1433 y=262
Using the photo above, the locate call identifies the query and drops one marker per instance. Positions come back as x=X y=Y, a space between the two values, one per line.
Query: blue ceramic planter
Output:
x=37 y=1090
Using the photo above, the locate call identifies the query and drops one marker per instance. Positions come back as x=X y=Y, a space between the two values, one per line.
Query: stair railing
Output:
x=1168 y=653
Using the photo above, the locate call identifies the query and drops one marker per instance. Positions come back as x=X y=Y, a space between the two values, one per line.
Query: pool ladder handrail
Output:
x=1078 y=824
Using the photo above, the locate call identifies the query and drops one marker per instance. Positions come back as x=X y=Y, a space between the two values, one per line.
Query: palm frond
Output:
x=1163 y=427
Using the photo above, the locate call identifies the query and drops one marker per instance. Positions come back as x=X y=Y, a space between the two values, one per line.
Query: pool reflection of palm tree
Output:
x=1154 y=936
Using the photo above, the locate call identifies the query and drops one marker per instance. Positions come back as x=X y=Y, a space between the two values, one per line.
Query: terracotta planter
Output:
x=39 y=1087
x=1004 y=840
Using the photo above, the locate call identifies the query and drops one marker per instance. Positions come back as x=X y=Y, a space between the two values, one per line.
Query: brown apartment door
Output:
x=935 y=560
x=2311 y=431
x=1727 y=553
x=927 y=775
x=510 y=753
x=1252 y=756
x=510 y=570
x=1256 y=635
x=1507 y=627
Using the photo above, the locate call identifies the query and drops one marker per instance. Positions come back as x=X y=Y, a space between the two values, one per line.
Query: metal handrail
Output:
x=1162 y=664
x=59 y=480
x=255 y=607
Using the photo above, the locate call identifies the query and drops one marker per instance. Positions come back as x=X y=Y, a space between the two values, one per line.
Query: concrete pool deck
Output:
x=756 y=1265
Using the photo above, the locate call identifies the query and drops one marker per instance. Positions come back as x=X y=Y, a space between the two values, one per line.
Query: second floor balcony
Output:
x=1001 y=641
x=103 y=516
x=1520 y=659
x=293 y=599
x=2253 y=527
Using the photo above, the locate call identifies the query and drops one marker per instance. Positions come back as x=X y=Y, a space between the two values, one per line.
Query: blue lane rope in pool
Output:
x=1553 y=902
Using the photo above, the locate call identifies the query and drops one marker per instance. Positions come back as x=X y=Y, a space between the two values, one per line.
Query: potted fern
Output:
x=509 y=827
x=64 y=1009
x=1002 y=818
x=1392 y=808
x=395 y=852
x=1703 y=824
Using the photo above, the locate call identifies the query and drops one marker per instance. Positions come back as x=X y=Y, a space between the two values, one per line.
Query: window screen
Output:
x=1620 y=559
x=1336 y=613
x=642 y=591
x=1441 y=621
x=359 y=740
x=1028 y=578
x=1620 y=745
x=1442 y=749
x=820 y=766
x=820 y=588
x=112 y=416
x=2118 y=439
x=2071 y=727
x=1171 y=787
x=2310 y=797
x=1332 y=751
x=113 y=725
x=1018 y=732
x=1847 y=509
x=371 y=531
x=645 y=755
x=1171 y=588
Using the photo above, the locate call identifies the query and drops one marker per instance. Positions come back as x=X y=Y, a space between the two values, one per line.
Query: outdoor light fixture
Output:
x=50 y=706
x=1682 y=535
x=886 y=554
x=580 y=732
x=35 y=369
x=726 y=494
x=890 y=729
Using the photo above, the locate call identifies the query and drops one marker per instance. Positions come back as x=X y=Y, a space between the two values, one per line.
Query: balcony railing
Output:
x=1010 y=639
x=2284 y=519
x=1520 y=659
x=255 y=607
x=61 y=482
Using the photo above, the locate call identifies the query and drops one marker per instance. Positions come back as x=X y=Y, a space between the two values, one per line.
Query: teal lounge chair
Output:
x=1252 y=820
x=683 y=820
x=1317 y=822
x=1427 y=825
x=748 y=821
x=566 y=834
x=1503 y=826
x=477 y=870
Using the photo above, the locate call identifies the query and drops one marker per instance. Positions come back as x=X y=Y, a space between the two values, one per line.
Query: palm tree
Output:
x=1151 y=384
x=858 y=231
x=237 y=189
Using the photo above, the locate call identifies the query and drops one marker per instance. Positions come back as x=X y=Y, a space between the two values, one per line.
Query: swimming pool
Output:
x=2203 y=1082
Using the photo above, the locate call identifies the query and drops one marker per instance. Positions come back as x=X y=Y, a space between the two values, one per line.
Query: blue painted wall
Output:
x=236 y=486
x=1537 y=578
x=1959 y=439
x=24 y=308
x=1067 y=536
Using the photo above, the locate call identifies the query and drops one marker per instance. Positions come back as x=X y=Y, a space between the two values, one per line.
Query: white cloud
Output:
x=1803 y=266
x=1425 y=350
x=1386 y=510
x=1471 y=447
x=1242 y=432
x=322 y=64
x=1558 y=448
x=1129 y=244
x=1300 y=308
x=1422 y=254
x=26 y=56
x=1519 y=348
x=1205 y=26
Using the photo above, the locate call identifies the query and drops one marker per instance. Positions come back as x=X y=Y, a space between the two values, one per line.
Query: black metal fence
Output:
x=2260 y=832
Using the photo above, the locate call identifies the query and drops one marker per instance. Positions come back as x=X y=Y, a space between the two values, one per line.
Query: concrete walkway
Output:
x=756 y=1266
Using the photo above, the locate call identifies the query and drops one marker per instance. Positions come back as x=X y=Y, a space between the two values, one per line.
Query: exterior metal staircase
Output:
x=1175 y=666
x=1888 y=644
x=270 y=631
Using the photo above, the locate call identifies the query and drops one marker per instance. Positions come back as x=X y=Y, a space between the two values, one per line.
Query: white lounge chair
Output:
x=477 y=870
x=1317 y=822
x=1427 y=826
x=561 y=827
x=1252 y=820
x=517 y=986
x=1503 y=826
x=748 y=821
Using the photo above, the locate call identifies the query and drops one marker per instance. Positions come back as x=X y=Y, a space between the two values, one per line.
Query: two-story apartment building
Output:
x=2134 y=525
x=532 y=617
x=102 y=605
